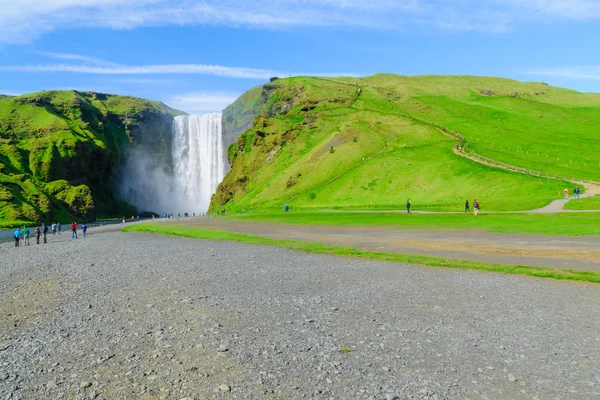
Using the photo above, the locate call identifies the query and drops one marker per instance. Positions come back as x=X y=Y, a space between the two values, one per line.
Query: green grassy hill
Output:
x=317 y=144
x=58 y=150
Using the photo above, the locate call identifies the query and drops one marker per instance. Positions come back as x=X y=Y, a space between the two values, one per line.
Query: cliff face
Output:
x=59 y=149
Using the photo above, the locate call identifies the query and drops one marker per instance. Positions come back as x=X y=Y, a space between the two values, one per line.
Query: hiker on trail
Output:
x=467 y=206
x=566 y=193
x=45 y=231
x=84 y=229
x=408 y=206
x=475 y=207
x=58 y=227
x=17 y=236
x=37 y=234
x=576 y=191
x=53 y=228
x=74 y=230
x=25 y=232
x=123 y=220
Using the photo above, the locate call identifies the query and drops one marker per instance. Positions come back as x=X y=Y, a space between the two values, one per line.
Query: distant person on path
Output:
x=74 y=230
x=37 y=234
x=123 y=220
x=58 y=227
x=84 y=229
x=53 y=228
x=45 y=232
x=566 y=193
x=467 y=206
x=25 y=232
x=475 y=207
x=17 y=236
x=408 y=206
x=576 y=191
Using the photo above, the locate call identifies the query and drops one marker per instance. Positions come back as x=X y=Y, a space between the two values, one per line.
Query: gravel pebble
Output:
x=161 y=306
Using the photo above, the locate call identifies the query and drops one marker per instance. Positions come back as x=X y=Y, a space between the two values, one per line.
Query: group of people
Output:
x=476 y=206
x=24 y=233
x=576 y=192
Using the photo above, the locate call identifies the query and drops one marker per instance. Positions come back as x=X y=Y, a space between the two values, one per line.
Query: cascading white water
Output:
x=198 y=160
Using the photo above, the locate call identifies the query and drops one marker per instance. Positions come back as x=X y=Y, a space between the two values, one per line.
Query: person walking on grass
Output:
x=17 y=236
x=45 y=231
x=566 y=191
x=576 y=191
x=467 y=206
x=25 y=232
x=74 y=230
x=475 y=207
x=84 y=229
x=408 y=206
x=37 y=234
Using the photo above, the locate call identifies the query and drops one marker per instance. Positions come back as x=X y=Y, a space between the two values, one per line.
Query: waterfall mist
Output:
x=182 y=182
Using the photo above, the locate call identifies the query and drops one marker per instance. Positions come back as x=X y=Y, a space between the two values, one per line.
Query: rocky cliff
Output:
x=59 y=150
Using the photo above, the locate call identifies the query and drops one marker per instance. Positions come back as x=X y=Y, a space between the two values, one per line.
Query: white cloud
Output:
x=587 y=72
x=24 y=20
x=160 y=69
x=199 y=69
x=77 y=57
x=202 y=102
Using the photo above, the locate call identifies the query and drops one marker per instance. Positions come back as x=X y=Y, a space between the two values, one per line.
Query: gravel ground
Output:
x=133 y=316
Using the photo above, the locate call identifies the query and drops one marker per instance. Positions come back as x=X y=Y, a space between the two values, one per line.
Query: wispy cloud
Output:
x=202 y=102
x=584 y=72
x=160 y=69
x=24 y=20
x=198 y=69
x=77 y=57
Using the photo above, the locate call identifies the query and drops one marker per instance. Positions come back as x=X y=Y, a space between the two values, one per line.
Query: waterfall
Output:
x=198 y=160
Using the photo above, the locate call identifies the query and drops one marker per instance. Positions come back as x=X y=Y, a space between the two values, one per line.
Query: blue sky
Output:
x=198 y=56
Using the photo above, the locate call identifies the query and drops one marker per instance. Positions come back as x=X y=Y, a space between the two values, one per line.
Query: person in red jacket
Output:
x=74 y=230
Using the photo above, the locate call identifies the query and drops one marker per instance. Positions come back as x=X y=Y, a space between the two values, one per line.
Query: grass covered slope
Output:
x=320 y=144
x=58 y=150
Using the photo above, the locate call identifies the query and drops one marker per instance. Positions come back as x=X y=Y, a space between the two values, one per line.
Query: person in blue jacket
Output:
x=17 y=236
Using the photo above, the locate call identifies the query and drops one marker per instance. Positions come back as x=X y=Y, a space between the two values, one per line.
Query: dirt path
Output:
x=582 y=253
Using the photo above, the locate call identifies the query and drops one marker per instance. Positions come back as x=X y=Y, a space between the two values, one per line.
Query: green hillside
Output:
x=58 y=150
x=318 y=144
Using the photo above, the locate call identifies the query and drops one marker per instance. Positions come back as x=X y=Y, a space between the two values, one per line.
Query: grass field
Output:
x=571 y=224
x=318 y=248
x=385 y=148
x=589 y=203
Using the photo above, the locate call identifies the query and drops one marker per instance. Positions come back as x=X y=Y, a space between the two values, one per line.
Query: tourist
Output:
x=45 y=232
x=467 y=206
x=25 y=232
x=53 y=229
x=84 y=229
x=576 y=191
x=408 y=206
x=475 y=207
x=58 y=227
x=37 y=234
x=566 y=193
x=74 y=230
x=17 y=236
x=137 y=218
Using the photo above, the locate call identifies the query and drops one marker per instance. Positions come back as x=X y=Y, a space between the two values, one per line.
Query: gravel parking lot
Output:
x=136 y=316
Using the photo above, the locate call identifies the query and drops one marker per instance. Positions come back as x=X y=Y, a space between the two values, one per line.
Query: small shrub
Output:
x=331 y=150
x=346 y=350
x=312 y=195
